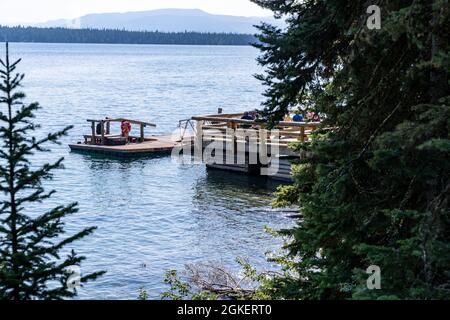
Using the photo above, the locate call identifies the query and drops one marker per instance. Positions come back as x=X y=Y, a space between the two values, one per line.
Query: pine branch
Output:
x=30 y=246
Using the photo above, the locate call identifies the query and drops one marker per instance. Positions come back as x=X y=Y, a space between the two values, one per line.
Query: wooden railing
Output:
x=101 y=138
x=217 y=128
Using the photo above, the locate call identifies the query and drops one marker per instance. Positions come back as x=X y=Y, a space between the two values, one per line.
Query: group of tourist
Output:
x=301 y=117
x=296 y=117
x=252 y=115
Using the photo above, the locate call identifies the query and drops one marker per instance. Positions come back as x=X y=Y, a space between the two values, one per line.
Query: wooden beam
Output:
x=123 y=119
x=302 y=134
x=142 y=132
x=103 y=132
x=198 y=144
x=93 y=132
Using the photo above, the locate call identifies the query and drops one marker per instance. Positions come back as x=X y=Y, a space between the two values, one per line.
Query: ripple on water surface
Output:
x=152 y=214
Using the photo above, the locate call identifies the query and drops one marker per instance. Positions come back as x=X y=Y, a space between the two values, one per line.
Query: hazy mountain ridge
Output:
x=166 y=20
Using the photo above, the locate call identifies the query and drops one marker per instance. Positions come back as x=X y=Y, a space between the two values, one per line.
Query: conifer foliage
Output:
x=31 y=266
x=374 y=190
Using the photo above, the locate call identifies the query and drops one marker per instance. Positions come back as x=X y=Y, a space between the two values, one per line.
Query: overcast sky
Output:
x=13 y=11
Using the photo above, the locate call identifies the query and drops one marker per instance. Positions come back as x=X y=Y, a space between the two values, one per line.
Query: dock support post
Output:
x=142 y=133
x=231 y=144
x=198 y=147
x=234 y=126
x=263 y=148
x=302 y=134
x=93 y=133
x=103 y=132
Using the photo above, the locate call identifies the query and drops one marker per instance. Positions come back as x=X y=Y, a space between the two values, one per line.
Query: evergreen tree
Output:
x=30 y=245
x=375 y=188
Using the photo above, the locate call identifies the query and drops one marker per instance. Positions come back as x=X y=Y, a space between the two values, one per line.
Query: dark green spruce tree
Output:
x=375 y=187
x=30 y=245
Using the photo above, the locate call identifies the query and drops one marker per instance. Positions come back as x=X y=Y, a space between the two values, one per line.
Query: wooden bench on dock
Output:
x=104 y=136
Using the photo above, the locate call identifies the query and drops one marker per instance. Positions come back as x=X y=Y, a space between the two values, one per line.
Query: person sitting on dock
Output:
x=297 y=117
x=313 y=117
x=247 y=116
x=254 y=114
x=126 y=129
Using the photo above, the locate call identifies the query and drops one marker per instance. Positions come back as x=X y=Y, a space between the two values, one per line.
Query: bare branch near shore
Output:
x=214 y=278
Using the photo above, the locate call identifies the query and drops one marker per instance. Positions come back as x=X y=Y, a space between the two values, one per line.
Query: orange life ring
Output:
x=125 y=127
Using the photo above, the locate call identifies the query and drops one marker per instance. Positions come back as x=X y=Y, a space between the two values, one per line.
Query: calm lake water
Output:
x=152 y=214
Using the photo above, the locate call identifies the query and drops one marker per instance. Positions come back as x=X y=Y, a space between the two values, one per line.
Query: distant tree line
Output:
x=66 y=35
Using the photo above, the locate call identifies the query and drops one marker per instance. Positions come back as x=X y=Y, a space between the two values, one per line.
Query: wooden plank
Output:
x=103 y=132
x=228 y=168
x=158 y=144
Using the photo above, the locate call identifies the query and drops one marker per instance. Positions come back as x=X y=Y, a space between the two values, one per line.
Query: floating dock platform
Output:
x=151 y=145
x=101 y=141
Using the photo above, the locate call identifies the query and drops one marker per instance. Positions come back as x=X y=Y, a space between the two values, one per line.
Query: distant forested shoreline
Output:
x=108 y=36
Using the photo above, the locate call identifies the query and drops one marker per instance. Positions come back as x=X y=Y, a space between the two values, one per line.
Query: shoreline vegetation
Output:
x=110 y=36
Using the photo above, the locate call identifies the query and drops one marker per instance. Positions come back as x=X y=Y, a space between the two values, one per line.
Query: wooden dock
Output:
x=223 y=142
x=151 y=145
x=229 y=133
